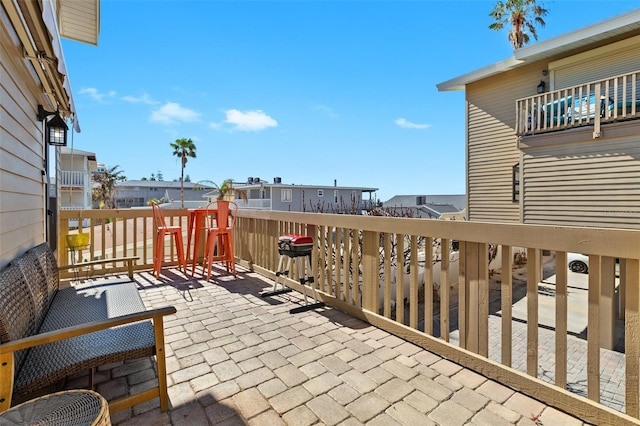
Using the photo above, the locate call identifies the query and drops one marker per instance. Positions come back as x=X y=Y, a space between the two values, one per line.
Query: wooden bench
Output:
x=48 y=333
x=129 y=260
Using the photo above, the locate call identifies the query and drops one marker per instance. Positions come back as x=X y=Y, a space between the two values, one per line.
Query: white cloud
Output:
x=401 y=122
x=144 y=99
x=249 y=121
x=93 y=93
x=327 y=110
x=172 y=112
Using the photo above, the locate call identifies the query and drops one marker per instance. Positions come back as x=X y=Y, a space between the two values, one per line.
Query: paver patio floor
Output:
x=234 y=357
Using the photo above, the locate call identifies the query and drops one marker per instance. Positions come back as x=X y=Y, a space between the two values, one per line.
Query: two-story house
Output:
x=76 y=178
x=302 y=198
x=138 y=193
x=553 y=132
x=34 y=79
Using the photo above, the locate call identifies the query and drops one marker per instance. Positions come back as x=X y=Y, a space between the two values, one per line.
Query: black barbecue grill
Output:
x=290 y=247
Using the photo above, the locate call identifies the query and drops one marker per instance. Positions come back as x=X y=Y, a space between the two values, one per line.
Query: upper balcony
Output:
x=592 y=104
x=74 y=179
x=254 y=203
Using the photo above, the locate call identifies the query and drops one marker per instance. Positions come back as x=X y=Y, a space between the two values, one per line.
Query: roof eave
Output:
x=621 y=24
x=460 y=82
x=608 y=28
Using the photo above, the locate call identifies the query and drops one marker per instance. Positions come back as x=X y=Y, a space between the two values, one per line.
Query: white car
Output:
x=578 y=262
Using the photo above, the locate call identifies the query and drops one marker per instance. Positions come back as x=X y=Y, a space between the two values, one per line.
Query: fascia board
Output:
x=460 y=82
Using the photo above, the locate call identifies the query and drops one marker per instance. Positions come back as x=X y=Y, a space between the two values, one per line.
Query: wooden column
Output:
x=370 y=276
x=506 y=299
x=533 y=279
x=471 y=306
x=561 y=319
x=632 y=330
x=593 y=329
x=607 y=303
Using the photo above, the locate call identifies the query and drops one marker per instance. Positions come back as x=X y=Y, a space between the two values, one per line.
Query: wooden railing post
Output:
x=533 y=279
x=632 y=341
x=370 y=278
x=596 y=107
x=607 y=304
x=472 y=296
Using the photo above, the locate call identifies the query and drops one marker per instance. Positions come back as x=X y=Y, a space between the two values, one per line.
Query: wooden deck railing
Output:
x=591 y=104
x=354 y=263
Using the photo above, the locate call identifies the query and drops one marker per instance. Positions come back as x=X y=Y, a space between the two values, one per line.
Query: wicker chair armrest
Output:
x=77 y=330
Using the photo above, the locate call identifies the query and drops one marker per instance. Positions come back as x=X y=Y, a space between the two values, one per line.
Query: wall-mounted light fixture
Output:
x=55 y=128
x=541 y=86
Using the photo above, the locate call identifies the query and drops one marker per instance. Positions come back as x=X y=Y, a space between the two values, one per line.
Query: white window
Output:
x=320 y=192
x=335 y=196
x=285 y=195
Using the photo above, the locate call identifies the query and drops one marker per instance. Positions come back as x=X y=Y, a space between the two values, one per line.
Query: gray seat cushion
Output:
x=47 y=364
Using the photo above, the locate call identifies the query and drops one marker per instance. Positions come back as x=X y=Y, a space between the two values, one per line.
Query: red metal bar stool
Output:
x=162 y=230
x=219 y=243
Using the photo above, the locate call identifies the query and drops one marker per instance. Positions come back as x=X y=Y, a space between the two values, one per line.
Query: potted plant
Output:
x=226 y=190
x=79 y=241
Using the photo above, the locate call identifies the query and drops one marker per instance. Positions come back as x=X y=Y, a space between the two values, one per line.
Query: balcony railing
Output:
x=254 y=203
x=73 y=178
x=591 y=104
x=357 y=260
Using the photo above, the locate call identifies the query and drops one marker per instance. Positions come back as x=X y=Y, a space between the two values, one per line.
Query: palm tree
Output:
x=522 y=15
x=103 y=193
x=183 y=148
x=225 y=190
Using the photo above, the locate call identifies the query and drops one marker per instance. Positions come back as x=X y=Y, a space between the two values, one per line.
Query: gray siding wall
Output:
x=22 y=190
x=615 y=59
x=491 y=143
x=307 y=199
x=591 y=183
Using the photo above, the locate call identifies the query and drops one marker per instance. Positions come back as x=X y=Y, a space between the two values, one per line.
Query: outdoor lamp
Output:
x=541 y=86
x=55 y=129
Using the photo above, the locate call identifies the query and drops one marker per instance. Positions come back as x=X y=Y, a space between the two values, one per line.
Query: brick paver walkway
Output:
x=234 y=357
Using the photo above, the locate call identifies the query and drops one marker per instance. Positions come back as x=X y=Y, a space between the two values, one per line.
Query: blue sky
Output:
x=309 y=91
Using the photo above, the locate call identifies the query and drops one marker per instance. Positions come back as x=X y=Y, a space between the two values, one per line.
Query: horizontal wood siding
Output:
x=491 y=143
x=592 y=183
x=619 y=58
x=22 y=202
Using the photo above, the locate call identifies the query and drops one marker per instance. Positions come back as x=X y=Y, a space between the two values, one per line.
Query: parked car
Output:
x=578 y=262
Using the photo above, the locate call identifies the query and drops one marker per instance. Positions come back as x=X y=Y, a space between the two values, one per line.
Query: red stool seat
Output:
x=220 y=235
x=162 y=230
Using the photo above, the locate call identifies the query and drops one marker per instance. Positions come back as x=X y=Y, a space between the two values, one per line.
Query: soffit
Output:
x=26 y=17
x=79 y=20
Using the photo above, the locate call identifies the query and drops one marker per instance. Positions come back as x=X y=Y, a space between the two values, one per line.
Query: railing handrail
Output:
x=592 y=82
x=587 y=240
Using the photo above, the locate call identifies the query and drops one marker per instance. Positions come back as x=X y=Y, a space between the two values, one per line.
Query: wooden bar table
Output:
x=196 y=228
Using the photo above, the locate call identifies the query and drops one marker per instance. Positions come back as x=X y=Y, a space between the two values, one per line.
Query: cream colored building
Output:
x=553 y=132
x=76 y=178
x=34 y=73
